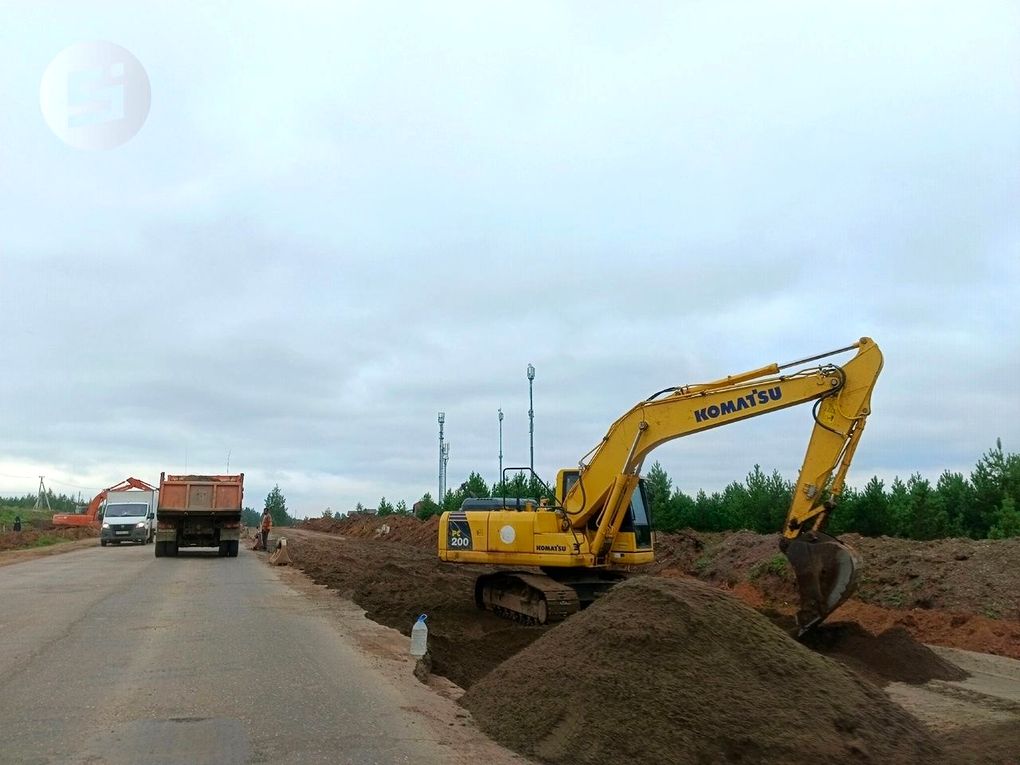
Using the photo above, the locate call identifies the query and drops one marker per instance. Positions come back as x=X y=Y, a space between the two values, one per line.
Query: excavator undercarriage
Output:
x=825 y=569
x=542 y=598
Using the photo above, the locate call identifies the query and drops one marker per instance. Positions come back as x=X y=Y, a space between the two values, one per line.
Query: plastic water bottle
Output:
x=419 y=637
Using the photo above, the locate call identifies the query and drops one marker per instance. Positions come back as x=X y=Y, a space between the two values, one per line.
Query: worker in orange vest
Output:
x=267 y=524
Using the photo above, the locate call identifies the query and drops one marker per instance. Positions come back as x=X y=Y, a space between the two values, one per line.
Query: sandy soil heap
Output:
x=891 y=655
x=672 y=670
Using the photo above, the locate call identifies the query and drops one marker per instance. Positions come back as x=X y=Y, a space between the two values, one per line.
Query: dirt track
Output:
x=393 y=573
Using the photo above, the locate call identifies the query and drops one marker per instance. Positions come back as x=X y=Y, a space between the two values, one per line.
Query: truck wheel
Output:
x=160 y=549
x=102 y=543
x=171 y=549
x=223 y=550
x=232 y=549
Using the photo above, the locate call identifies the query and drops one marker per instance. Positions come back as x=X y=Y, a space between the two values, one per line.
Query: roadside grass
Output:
x=29 y=518
x=45 y=540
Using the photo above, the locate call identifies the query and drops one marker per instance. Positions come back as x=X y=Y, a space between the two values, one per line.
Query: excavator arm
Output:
x=825 y=568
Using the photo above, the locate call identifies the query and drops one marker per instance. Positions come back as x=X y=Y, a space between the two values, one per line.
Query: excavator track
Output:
x=526 y=597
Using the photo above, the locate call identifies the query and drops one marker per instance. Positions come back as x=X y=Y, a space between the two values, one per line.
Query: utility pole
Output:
x=42 y=496
x=500 y=479
x=442 y=462
x=531 y=413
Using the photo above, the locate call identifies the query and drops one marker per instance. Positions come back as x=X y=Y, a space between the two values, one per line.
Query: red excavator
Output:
x=91 y=515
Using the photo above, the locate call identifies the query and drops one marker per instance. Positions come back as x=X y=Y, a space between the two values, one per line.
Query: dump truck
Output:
x=199 y=511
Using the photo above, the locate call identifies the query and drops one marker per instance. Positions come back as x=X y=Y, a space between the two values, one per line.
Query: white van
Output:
x=129 y=516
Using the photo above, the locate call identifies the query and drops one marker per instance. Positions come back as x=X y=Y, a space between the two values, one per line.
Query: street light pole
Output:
x=531 y=413
x=500 y=444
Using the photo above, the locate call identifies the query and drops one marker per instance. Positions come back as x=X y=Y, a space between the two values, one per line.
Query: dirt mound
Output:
x=954 y=592
x=892 y=655
x=986 y=745
x=11 y=540
x=973 y=576
x=389 y=528
x=948 y=628
x=672 y=670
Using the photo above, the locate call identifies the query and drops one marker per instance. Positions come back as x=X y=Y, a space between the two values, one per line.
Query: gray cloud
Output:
x=337 y=222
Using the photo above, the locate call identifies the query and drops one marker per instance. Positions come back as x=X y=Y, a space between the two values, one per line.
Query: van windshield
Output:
x=132 y=510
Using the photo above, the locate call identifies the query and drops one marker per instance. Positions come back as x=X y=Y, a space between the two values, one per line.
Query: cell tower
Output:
x=42 y=496
x=446 y=458
x=442 y=462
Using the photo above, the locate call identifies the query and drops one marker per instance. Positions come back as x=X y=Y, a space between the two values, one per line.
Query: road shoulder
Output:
x=386 y=651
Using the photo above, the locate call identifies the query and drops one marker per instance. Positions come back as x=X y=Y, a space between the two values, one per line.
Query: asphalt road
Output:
x=110 y=655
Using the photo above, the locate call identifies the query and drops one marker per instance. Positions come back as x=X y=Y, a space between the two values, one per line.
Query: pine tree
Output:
x=277 y=505
x=1006 y=521
x=426 y=507
x=659 y=488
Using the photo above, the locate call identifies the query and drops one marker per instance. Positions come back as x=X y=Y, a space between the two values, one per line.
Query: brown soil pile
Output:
x=390 y=528
x=11 y=540
x=980 y=577
x=961 y=593
x=892 y=655
x=975 y=576
x=671 y=670
x=946 y=628
x=395 y=583
x=985 y=745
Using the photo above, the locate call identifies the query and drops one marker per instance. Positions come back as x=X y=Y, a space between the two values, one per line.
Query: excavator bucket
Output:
x=826 y=571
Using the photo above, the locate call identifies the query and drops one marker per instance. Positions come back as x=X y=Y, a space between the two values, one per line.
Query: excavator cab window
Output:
x=639 y=518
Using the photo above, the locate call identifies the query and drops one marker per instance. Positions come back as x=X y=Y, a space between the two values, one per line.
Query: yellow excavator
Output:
x=598 y=527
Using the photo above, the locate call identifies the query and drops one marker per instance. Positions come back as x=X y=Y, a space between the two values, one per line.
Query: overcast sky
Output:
x=341 y=218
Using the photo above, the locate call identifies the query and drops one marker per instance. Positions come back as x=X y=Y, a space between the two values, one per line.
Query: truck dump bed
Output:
x=199 y=511
x=200 y=494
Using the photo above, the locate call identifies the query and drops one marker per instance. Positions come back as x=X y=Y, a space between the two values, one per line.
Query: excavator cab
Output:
x=638 y=519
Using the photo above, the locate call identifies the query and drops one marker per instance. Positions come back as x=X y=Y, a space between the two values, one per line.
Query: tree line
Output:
x=474 y=487
x=59 y=503
x=981 y=505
